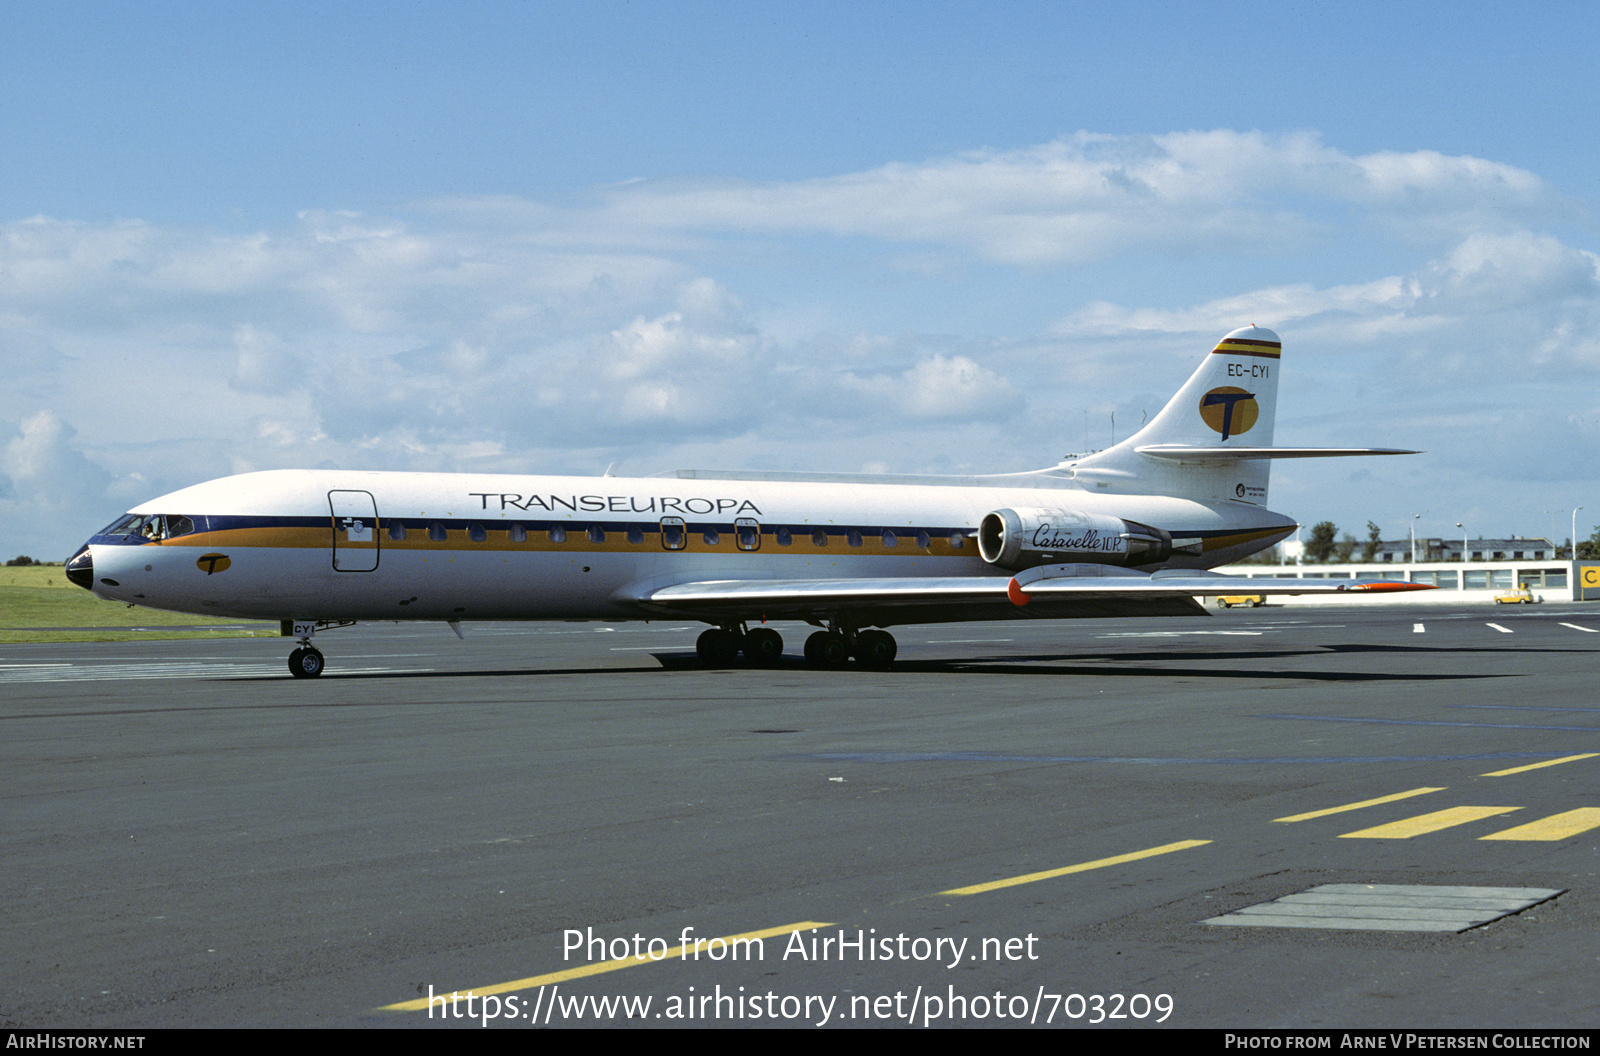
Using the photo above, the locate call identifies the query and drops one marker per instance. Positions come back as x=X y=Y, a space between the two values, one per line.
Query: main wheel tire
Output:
x=305 y=663
x=876 y=648
x=717 y=646
x=763 y=646
x=827 y=649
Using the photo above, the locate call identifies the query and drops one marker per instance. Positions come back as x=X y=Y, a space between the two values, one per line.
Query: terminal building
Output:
x=1493 y=566
x=1399 y=551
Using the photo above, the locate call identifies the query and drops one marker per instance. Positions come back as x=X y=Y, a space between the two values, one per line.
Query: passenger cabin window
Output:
x=889 y=538
x=635 y=534
x=673 y=534
x=747 y=533
x=924 y=540
x=853 y=537
x=819 y=537
x=517 y=533
x=711 y=537
x=436 y=532
x=783 y=537
x=476 y=533
x=957 y=540
x=597 y=534
x=397 y=531
x=558 y=533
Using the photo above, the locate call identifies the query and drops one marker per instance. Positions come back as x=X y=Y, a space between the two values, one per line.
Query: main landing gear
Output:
x=833 y=648
x=763 y=647
x=722 y=645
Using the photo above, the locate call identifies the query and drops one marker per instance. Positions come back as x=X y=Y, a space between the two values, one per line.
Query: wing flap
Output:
x=1055 y=581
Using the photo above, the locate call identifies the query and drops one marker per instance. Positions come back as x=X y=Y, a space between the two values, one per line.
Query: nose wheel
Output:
x=305 y=662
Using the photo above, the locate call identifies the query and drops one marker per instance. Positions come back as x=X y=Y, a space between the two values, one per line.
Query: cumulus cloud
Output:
x=1086 y=197
x=938 y=388
x=45 y=485
x=492 y=333
x=1498 y=302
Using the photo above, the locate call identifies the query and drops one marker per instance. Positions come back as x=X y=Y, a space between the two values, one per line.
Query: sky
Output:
x=903 y=237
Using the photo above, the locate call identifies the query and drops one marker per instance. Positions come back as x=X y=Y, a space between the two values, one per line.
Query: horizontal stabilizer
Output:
x=1185 y=453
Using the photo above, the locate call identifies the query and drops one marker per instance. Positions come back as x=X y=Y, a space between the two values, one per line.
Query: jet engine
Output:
x=1016 y=539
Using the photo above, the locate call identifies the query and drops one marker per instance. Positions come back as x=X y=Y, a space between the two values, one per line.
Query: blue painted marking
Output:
x=993 y=757
x=1421 y=722
x=1518 y=707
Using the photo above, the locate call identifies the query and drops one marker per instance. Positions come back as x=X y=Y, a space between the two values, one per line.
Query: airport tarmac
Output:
x=1020 y=822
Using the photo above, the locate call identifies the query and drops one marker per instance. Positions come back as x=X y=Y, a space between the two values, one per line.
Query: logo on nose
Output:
x=1229 y=411
x=213 y=563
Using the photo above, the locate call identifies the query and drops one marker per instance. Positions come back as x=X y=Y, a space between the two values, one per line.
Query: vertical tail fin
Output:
x=1229 y=402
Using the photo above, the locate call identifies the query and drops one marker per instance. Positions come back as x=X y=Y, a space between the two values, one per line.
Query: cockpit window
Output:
x=152 y=526
x=127 y=524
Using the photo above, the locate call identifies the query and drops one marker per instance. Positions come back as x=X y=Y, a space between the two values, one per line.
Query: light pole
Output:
x=1574 y=552
x=1463 y=543
x=1415 y=518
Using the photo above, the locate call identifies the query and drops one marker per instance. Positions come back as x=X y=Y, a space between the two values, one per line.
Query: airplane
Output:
x=1132 y=530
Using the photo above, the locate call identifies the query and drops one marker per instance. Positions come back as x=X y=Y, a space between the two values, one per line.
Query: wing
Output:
x=1048 y=592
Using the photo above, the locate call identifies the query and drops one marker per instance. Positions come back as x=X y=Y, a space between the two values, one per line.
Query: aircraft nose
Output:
x=80 y=569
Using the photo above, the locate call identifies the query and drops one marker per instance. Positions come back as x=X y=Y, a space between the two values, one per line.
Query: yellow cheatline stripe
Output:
x=1426 y=823
x=1540 y=766
x=597 y=968
x=1357 y=806
x=1555 y=827
x=1082 y=867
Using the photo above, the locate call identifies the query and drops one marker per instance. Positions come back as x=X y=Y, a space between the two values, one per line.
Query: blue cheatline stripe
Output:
x=238 y=522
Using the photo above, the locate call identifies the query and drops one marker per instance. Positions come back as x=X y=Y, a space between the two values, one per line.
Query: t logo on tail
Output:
x=1229 y=410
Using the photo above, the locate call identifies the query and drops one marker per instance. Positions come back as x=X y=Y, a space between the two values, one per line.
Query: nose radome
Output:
x=80 y=569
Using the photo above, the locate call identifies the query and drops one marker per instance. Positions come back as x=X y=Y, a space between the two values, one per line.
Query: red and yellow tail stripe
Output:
x=1240 y=346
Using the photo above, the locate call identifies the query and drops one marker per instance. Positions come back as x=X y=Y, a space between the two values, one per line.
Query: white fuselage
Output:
x=334 y=545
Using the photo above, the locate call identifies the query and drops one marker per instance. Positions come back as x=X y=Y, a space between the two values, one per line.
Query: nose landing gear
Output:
x=305 y=662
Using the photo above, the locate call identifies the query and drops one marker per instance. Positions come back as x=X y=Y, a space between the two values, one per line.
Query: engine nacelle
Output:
x=1022 y=538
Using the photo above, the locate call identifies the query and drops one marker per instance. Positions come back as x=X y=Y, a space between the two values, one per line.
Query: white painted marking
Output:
x=1175 y=634
x=965 y=641
x=1417 y=628
x=189 y=669
x=1502 y=630
x=1384 y=907
x=650 y=648
x=1589 y=630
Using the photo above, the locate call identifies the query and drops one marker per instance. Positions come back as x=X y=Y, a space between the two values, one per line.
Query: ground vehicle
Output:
x=1228 y=601
x=1521 y=596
